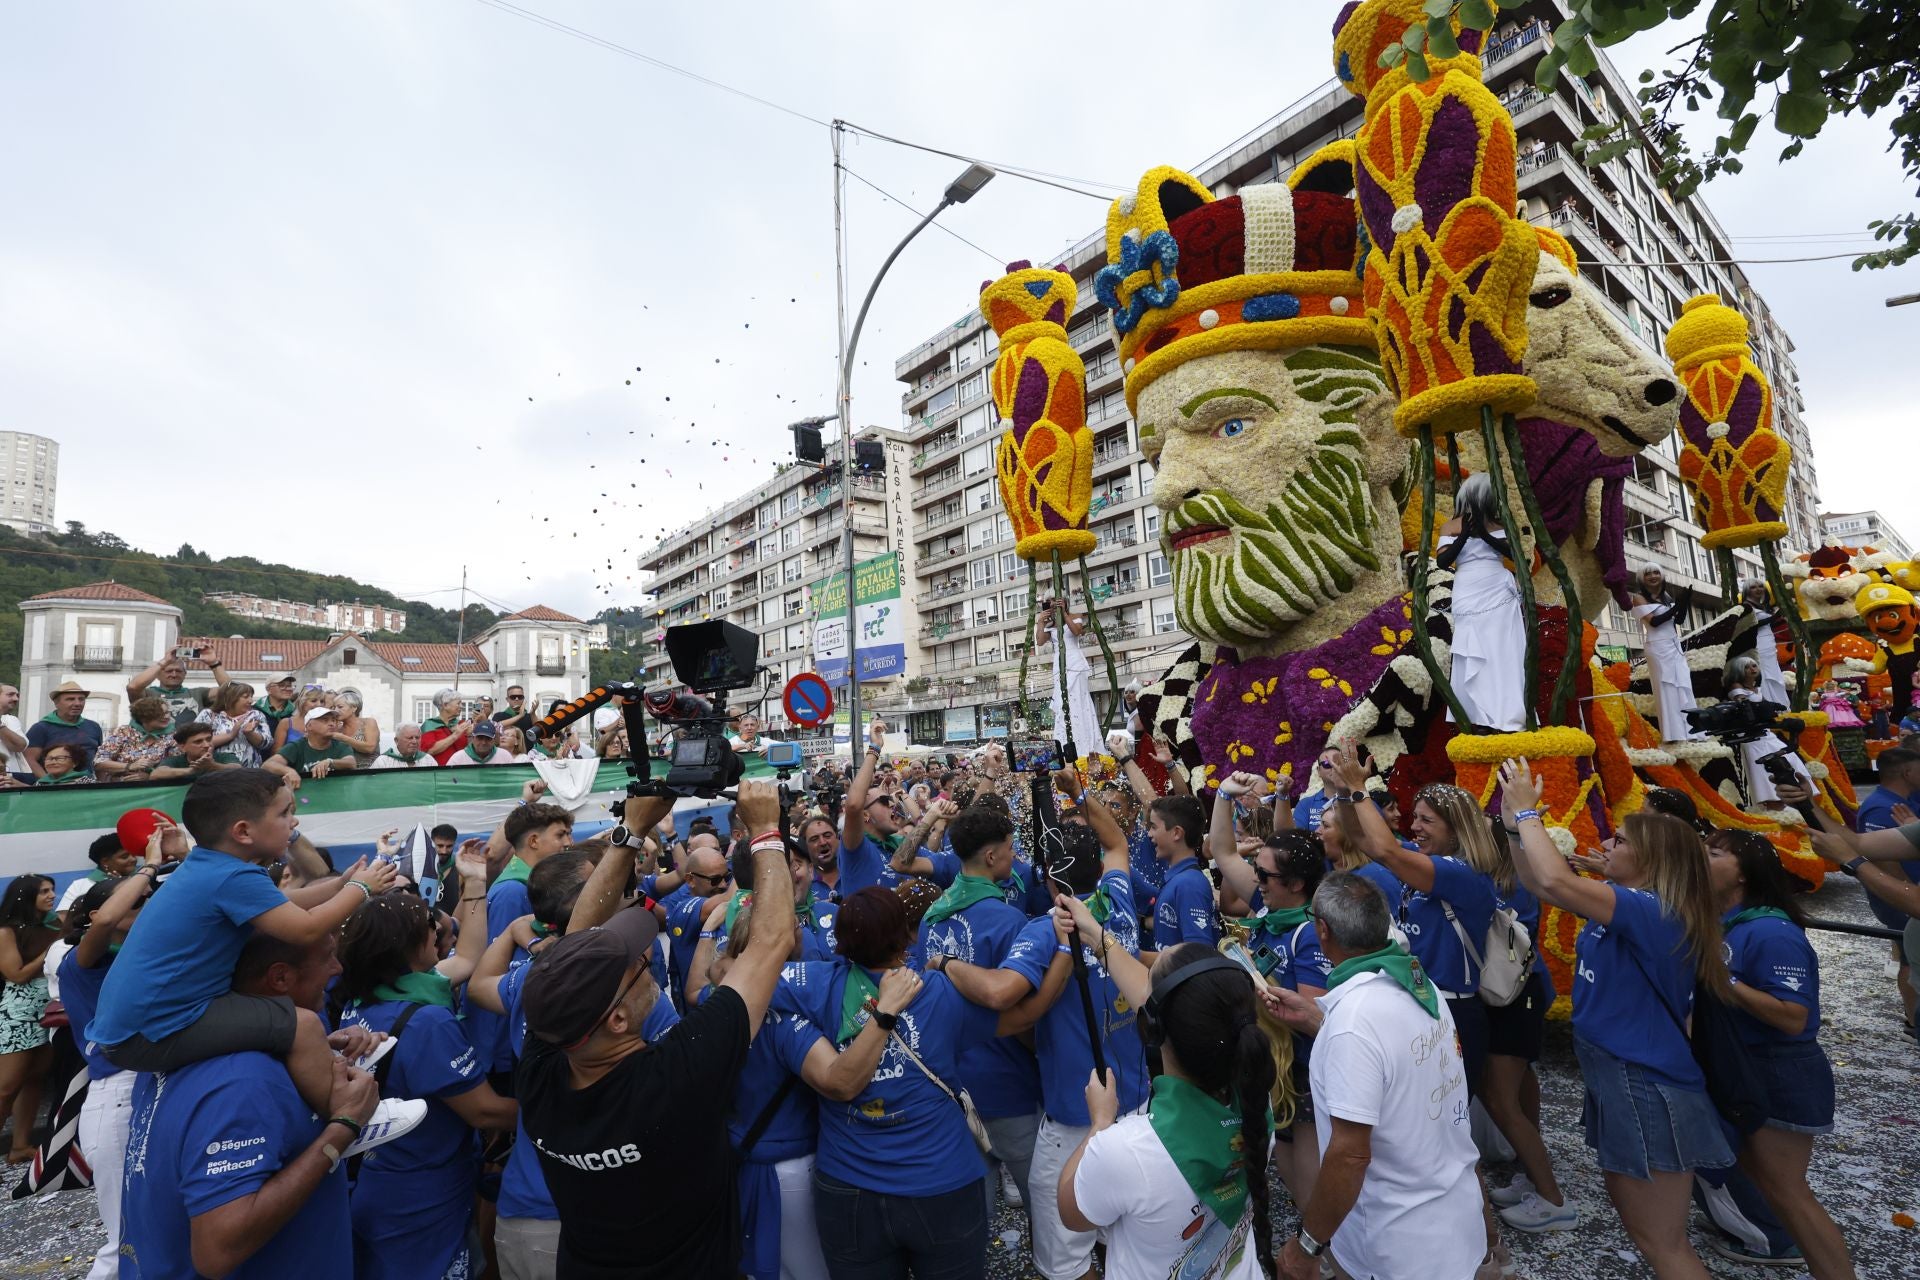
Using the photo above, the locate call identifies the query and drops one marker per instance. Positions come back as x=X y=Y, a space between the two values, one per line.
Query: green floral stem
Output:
x=1106 y=650
x=1422 y=642
x=1026 y=649
x=1563 y=688
x=1784 y=601
x=1523 y=563
x=1061 y=635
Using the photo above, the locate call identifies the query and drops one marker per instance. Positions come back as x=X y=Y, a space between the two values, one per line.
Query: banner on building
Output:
x=878 y=615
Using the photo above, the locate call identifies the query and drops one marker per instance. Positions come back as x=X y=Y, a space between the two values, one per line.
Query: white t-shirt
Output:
x=1129 y=1187
x=9 y=761
x=55 y=954
x=1379 y=1060
x=73 y=893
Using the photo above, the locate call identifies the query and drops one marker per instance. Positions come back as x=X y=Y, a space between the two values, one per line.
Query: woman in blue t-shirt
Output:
x=413 y=1199
x=1653 y=932
x=1442 y=888
x=1533 y=1201
x=1776 y=1002
x=897 y=1179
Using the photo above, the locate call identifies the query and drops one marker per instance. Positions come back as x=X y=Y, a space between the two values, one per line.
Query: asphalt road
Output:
x=1865 y=1172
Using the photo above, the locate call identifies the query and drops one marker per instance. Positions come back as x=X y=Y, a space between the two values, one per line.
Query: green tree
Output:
x=1797 y=63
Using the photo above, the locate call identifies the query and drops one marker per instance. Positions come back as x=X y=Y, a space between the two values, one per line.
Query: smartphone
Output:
x=1238 y=953
x=186 y=652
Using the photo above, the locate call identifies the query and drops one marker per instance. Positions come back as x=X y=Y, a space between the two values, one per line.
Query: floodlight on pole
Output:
x=959 y=191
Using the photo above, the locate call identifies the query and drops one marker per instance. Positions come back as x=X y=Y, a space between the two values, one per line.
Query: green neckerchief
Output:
x=892 y=842
x=77 y=775
x=431 y=725
x=1203 y=1136
x=961 y=894
x=541 y=929
x=1278 y=920
x=1757 y=913
x=395 y=755
x=425 y=987
x=515 y=872
x=1099 y=905
x=1396 y=964
x=743 y=898
x=1019 y=885
x=151 y=734
x=51 y=920
x=853 y=1002
x=97 y=875
x=54 y=718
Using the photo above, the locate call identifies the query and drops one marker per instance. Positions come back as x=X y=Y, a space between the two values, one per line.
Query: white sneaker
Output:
x=367 y=1060
x=1536 y=1216
x=1513 y=1193
x=1010 y=1189
x=393 y=1118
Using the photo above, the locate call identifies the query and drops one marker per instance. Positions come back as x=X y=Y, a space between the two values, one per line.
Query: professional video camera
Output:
x=713 y=659
x=1742 y=720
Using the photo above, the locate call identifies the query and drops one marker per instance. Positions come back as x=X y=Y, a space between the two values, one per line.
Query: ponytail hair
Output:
x=1214 y=1030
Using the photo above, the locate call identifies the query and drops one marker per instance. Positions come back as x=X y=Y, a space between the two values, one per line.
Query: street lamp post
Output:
x=959 y=191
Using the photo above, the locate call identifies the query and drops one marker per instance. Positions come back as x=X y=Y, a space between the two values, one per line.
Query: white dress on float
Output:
x=1667 y=673
x=1489 y=638
x=1087 y=738
x=1766 y=651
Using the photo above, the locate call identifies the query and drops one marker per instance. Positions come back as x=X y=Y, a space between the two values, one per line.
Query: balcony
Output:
x=945 y=516
x=1504 y=49
x=941 y=628
x=550 y=667
x=930 y=560
x=94 y=657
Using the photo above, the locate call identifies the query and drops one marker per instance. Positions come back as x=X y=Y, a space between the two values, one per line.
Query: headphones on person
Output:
x=1153 y=1031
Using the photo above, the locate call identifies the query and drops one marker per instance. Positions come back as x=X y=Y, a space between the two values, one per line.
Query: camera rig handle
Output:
x=632 y=714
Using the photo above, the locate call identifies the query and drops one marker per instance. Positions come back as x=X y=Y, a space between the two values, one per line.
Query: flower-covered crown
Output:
x=1188 y=275
x=1733 y=460
x=1363 y=32
x=1045 y=456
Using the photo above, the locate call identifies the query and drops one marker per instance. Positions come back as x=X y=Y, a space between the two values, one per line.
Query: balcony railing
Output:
x=550 y=667
x=94 y=657
x=1515 y=43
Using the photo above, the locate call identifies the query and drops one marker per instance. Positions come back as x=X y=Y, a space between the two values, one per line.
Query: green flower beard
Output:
x=1280 y=564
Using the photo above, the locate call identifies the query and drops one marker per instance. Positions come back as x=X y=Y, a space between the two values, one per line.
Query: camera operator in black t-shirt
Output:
x=633 y=1136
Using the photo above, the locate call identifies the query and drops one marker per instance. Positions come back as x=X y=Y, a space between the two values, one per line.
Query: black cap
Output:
x=575 y=982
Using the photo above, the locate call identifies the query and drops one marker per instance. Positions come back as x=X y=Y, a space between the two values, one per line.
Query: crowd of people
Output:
x=175 y=733
x=829 y=1039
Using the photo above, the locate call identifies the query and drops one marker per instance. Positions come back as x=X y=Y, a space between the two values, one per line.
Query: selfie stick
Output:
x=1046 y=828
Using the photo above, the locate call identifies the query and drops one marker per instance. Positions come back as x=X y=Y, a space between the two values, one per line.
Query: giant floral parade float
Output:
x=1316 y=365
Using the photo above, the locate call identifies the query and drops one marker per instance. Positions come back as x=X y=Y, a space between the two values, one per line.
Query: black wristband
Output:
x=348 y=1121
x=886 y=1021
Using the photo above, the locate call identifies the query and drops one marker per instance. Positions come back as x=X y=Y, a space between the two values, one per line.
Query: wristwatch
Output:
x=625 y=838
x=1853 y=868
x=1308 y=1245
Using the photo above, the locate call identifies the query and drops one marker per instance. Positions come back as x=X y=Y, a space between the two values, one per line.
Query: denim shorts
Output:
x=1799 y=1082
x=1639 y=1126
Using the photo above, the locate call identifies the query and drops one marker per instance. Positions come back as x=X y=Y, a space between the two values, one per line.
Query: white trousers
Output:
x=800 y=1256
x=104 y=1119
x=1059 y=1253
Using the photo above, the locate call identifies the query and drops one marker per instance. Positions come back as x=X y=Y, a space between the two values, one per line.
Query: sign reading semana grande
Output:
x=878 y=615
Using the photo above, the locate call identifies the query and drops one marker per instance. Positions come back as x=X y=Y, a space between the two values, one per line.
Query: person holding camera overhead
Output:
x=1744 y=678
x=183 y=704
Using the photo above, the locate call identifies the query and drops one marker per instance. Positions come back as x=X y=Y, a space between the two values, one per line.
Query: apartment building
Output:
x=1865 y=529
x=753 y=560
x=29 y=479
x=1645 y=253
x=336 y=616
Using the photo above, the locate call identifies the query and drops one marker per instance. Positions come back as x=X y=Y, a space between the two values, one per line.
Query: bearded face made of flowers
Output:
x=1251 y=371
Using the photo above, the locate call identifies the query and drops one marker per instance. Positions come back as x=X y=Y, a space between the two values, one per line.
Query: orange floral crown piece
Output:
x=1733 y=460
x=1270 y=268
x=1448 y=267
x=1045 y=456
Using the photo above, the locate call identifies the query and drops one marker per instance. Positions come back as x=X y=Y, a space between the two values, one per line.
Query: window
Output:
x=348 y=657
x=410 y=661
x=977 y=459
x=980 y=497
x=974 y=421
x=941 y=402
x=1164 y=619
x=982 y=572
x=1158 y=573
x=973 y=388
x=1153 y=523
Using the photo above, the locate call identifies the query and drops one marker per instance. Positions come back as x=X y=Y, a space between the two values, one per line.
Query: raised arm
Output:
x=1133 y=978
x=1114 y=856
x=1541 y=868
x=138 y=685
x=483 y=988
x=753 y=973
x=600 y=896
x=1222 y=840
x=1345 y=777
x=290 y=922
x=853 y=809
x=471 y=914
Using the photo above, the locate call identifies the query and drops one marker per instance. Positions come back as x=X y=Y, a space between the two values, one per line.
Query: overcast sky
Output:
x=360 y=286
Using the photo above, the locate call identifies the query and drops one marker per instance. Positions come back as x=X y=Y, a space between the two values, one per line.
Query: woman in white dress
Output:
x=1667 y=672
x=1058 y=623
x=1773 y=682
x=1489 y=630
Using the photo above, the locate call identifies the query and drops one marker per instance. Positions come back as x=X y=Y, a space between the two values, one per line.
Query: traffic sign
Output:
x=808 y=700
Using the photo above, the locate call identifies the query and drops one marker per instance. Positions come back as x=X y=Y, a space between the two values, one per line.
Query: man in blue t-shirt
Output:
x=1090 y=863
x=707 y=878
x=220 y=1149
x=870 y=827
x=1897 y=773
x=1184 y=911
x=535 y=831
x=973 y=922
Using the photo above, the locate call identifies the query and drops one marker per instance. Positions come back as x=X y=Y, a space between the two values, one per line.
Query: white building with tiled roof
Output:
x=103 y=634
